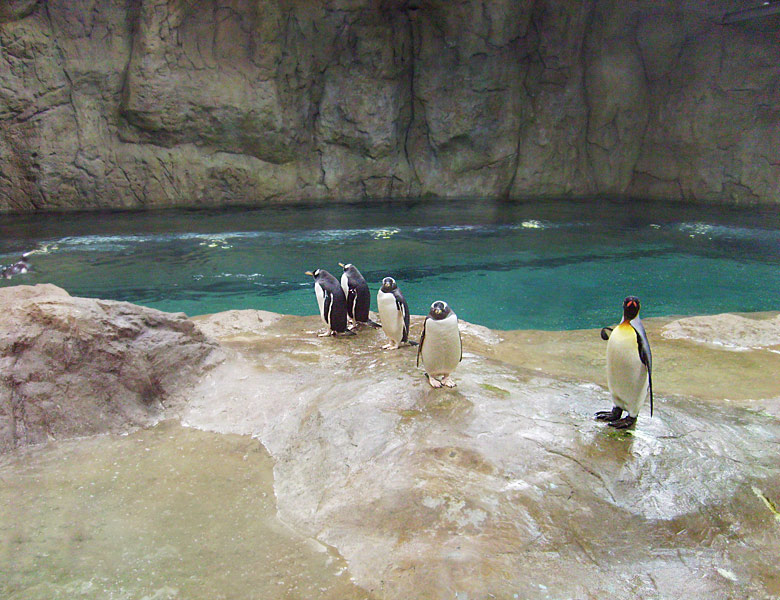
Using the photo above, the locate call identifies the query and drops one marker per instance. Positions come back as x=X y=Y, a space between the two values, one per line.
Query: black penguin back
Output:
x=362 y=302
x=359 y=298
x=335 y=307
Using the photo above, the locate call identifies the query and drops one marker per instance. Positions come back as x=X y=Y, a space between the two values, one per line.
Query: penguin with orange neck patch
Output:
x=629 y=368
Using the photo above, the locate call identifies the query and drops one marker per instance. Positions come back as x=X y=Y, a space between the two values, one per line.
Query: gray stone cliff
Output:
x=147 y=103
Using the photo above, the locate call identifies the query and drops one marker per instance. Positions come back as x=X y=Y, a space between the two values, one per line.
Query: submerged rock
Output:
x=78 y=366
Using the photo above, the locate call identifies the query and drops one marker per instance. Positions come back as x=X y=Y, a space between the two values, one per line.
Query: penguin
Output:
x=331 y=301
x=20 y=267
x=629 y=367
x=440 y=347
x=394 y=314
x=358 y=295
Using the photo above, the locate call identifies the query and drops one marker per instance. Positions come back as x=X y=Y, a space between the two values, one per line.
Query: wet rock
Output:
x=77 y=366
x=504 y=486
x=236 y=324
x=163 y=513
x=729 y=331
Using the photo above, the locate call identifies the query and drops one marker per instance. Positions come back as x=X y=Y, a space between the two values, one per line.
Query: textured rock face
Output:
x=75 y=366
x=173 y=102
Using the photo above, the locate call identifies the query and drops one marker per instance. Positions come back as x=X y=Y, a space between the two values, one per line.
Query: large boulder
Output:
x=78 y=366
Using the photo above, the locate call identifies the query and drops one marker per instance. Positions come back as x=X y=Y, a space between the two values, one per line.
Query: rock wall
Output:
x=144 y=103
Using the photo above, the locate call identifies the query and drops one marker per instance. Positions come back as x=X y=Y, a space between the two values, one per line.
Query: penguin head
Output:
x=630 y=307
x=388 y=285
x=439 y=310
x=351 y=271
x=315 y=273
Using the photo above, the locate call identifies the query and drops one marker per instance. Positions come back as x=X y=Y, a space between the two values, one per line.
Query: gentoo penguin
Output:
x=20 y=267
x=357 y=294
x=629 y=367
x=394 y=314
x=331 y=301
x=440 y=345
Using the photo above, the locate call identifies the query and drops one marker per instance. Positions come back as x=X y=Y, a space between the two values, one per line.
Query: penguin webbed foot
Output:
x=609 y=416
x=449 y=382
x=412 y=343
x=435 y=383
x=391 y=346
x=325 y=333
x=626 y=422
x=373 y=324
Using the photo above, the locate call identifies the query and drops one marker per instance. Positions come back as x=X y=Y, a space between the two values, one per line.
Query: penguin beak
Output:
x=310 y=273
x=341 y=265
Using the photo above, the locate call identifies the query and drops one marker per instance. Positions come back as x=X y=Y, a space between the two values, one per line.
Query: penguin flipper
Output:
x=403 y=308
x=422 y=340
x=650 y=385
x=605 y=333
x=645 y=355
x=327 y=306
x=647 y=360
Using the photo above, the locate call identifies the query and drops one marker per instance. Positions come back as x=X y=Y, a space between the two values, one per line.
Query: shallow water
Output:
x=553 y=265
x=161 y=514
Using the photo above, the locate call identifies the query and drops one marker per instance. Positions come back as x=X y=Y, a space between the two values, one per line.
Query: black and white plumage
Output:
x=331 y=301
x=394 y=314
x=20 y=267
x=629 y=367
x=441 y=348
x=357 y=293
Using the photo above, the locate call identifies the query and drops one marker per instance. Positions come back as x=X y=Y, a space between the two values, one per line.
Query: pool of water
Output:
x=550 y=265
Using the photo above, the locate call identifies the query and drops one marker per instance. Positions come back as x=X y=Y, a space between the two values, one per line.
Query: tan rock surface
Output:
x=77 y=366
x=505 y=486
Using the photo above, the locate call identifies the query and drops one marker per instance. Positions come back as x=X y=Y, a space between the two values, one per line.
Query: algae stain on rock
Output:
x=767 y=502
x=495 y=389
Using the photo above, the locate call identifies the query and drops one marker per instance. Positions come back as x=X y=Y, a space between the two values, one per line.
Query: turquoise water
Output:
x=551 y=265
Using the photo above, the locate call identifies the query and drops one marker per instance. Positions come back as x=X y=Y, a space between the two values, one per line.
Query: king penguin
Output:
x=331 y=301
x=629 y=367
x=358 y=295
x=440 y=345
x=394 y=314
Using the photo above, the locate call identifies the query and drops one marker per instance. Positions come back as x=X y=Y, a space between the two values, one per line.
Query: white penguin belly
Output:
x=626 y=375
x=392 y=318
x=320 y=293
x=441 y=350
